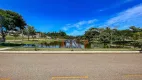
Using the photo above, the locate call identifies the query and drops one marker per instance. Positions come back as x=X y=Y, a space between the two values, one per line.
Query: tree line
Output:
x=110 y=37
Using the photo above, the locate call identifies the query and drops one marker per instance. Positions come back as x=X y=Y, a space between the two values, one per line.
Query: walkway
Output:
x=1 y=49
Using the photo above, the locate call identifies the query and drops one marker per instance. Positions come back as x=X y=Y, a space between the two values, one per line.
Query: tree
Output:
x=135 y=29
x=60 y=34
x=33 y=32
x=1 y=20
x=29 y=31
x=104 y=38
x=1 y=28
x=10 y=21
x=15 y=34
x=91 y=34
x=42 y=35
x=136 y=36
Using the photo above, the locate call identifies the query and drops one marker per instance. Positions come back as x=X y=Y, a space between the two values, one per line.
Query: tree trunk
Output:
x=28 y=37
x=123 y=43
x=3 y=35
x=14 y=40
x=104 y=44
x=3 y=38
x=22 y=35
x=33 y=37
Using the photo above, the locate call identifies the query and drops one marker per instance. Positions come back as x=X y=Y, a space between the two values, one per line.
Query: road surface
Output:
x=70 y=66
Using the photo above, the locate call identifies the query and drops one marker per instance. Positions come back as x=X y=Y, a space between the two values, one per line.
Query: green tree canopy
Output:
x=29 y=31
x=9 y=21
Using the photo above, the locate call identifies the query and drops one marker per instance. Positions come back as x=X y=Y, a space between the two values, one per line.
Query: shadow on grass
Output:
x=10 y=44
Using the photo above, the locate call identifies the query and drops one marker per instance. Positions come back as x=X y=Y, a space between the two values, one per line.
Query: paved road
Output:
x=95 y=66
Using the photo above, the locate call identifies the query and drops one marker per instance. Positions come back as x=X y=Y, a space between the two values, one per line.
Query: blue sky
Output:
x=76 y=16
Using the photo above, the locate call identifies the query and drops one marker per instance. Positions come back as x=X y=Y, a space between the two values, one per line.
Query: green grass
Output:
x=69 y=49
x=25 y=38
x=31 y=41
x=12 y=38
x=2 y=46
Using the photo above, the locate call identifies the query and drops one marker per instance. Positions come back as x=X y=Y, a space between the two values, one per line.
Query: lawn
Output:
x=12 y=38
x=2 y=46
x=31 y=41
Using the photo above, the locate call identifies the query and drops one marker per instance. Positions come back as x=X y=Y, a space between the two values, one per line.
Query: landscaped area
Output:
x=19 y=36
x=57 y=45
x=88 y=42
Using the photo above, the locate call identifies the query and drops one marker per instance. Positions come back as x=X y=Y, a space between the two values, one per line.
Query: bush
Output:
x=136 y=44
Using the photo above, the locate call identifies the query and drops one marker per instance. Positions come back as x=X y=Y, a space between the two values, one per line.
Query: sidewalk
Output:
x=64 y=52
x=5 y=48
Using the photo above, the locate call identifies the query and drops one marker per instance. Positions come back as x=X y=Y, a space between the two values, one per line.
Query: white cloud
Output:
x=122 y=20
x=132 y=16
x=92 y=21
x=79 y=25
x=80 y=32
x=76 y=32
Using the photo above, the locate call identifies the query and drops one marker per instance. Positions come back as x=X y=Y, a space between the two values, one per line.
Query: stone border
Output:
x=65 y=52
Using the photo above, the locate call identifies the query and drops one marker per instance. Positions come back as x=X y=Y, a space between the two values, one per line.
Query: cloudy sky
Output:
x=76 y=16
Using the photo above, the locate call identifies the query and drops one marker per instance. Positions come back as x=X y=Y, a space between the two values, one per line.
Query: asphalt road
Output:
x=93 y=66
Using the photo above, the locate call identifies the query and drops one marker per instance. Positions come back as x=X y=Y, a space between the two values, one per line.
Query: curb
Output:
x=66 y=52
